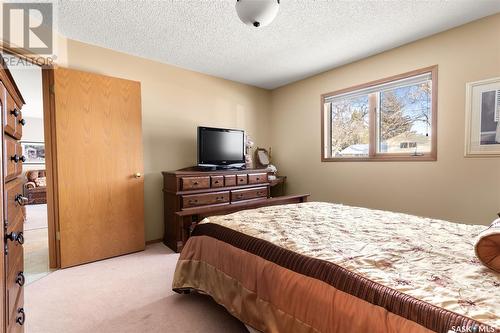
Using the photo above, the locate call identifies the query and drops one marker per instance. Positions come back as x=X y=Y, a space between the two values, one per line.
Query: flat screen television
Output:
x=221 y=148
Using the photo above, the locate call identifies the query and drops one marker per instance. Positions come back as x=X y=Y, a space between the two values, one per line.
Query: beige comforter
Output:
x=432 y=260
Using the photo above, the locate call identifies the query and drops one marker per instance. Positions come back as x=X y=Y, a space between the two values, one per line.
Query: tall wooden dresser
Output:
x=11 y=103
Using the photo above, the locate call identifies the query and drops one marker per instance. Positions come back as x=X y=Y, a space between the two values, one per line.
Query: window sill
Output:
x=383 y=158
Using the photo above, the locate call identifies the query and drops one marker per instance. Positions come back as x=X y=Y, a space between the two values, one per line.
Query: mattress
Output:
x=322 y=267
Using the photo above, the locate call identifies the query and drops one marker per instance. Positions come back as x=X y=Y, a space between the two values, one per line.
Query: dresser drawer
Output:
x=242 y=179
x=15 y=279
x=11 y=116
x=230 y=180
x=14 y=257
x=247 y=194
x=257 y=178
x=194 y=183
x=20 y=122
x=217 y=181
x=17 y=317
x=13 y=204
x=196 y=200
x=13 y=153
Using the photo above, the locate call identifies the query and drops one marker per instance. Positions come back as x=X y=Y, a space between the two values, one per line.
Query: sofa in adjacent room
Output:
x=35 y=188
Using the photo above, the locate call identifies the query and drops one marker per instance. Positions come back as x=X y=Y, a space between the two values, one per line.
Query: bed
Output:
x=322 y=267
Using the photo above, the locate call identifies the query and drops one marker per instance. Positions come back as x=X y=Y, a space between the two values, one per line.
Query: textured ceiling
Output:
x=307 y=37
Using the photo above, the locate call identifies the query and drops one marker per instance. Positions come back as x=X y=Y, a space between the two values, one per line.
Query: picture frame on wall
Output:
x=34 y=152
x=482 y=108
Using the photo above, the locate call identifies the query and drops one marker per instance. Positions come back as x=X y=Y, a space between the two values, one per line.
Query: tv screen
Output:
x=221 y=147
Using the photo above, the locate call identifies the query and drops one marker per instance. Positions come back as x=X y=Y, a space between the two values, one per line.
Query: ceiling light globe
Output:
x=257 y=13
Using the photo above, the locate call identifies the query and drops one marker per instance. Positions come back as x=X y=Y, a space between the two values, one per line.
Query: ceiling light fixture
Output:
x=257 y=13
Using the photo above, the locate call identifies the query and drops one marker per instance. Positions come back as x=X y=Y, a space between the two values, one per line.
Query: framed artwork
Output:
x=262 y=157
x=482 y=134
x=34 y=152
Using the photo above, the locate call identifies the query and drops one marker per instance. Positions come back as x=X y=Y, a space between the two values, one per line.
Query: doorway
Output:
x=28 y=78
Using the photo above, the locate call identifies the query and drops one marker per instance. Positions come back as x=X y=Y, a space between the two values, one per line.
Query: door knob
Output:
x=137 y=175
x=22 y=122
x=14 y=112
x=15 y=158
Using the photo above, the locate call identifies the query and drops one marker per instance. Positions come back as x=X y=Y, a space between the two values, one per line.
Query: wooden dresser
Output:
x=11 y=103
x=190 y=195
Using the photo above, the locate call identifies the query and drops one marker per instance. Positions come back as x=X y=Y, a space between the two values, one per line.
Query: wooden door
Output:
x=99 y=163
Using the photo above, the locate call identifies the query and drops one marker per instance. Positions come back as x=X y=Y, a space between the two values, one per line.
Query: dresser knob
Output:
x=20 y=238
x=22 y=316
x=11 y=236
x=21 y=200
x=15 y=158
x=14 y=112
x=20 y=279
x=15 y=237
x=22 y=122
x=22 y=158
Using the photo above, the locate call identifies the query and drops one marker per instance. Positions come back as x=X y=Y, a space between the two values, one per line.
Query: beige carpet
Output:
x=125 y=294
x=36 y=244
x=36 y=217
x=36 y=254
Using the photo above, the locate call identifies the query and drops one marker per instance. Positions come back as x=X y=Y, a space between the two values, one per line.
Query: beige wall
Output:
x=174 y=102
x=453 y=188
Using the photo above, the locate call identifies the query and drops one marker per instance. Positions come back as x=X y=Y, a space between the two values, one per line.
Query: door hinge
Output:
x=52 y=89
x=58 y=235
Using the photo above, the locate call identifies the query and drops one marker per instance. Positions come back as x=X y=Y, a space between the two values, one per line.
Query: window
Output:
x=390 y=119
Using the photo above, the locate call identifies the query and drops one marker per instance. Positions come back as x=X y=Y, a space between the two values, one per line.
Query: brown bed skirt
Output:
x=276 y=290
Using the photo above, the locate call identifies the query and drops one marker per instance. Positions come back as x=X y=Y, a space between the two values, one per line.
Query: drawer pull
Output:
x=22 y=316
x=21 y=200
x=257 y=179
x=22 y=122
x=260 y=193
x=219 y=199
x=17 y=158
x=14 y=112
x=193 y=201
x=239 y=196
x=196 y=183
x=15 y=237
x=216 y=182
x=20 y=279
